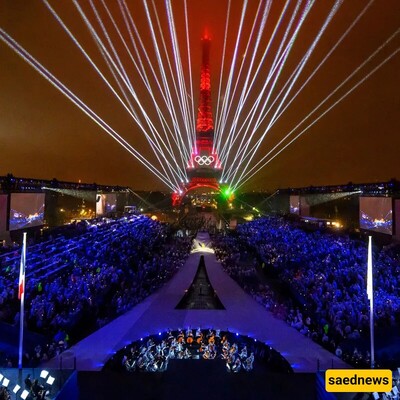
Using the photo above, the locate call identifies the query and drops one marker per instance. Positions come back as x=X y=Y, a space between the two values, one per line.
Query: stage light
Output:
x=5 y=382
x=24 y=394
x=16 y=388
x=44 y=373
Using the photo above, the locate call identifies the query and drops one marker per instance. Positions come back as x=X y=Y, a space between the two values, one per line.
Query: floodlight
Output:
x=44 y=374
x=24 y=394
x=16 y=388
x=50 y=380
x=6 y=382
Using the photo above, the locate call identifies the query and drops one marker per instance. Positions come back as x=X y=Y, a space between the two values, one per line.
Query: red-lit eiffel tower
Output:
x=204 y=167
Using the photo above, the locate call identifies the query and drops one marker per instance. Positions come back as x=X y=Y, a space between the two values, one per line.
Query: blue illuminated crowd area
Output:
x=316 y=282
x=81 y=280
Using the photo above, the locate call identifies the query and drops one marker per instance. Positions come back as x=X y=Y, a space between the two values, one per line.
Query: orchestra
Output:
x=154 y=357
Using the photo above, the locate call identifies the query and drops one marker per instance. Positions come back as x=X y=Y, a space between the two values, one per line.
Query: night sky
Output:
x=44 y=135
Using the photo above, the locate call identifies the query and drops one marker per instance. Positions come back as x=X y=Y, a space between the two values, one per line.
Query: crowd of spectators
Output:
x=77 y=284
x=326 y=273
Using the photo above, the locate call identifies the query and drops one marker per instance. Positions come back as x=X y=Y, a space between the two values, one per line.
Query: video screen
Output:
x=106 y=204
x=26 y=210
x=3 y=212
x=397 y=216
x=304 y=207
x=295 y=204
x=376 y=214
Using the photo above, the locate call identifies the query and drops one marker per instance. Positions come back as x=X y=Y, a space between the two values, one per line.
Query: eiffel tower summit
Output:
x=204 y=166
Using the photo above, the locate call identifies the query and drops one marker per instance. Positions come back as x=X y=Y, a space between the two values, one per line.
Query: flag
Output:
x=369 y=271
x=21 y=290
x=21 y=285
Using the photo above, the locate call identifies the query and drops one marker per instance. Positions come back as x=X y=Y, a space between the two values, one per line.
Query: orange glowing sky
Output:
x=44 y=135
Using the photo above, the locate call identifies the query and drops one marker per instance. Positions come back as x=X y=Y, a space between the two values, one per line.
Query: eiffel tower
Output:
x=204 y=167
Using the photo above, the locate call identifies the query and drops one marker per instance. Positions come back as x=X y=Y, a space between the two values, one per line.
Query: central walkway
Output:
x=157 y=313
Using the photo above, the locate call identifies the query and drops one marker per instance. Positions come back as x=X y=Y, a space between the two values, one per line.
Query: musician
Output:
x=189 y=336
x=38 y=390
x=179 y=347
x=234 y=349
x=187 y=354
x=226 y=346
x=163 y=346
x=203 y=347
x=206 y=354
x=225 y=354
x=236 y=365
x=243 y=353
x=171 y=353
x=170 y=336
x=181 y=336
x=248 y=364
x=199 y=338
x=230 y=362
x=213 y=350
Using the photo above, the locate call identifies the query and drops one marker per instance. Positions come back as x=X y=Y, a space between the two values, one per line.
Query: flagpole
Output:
x=370 y=293
x=21 y=295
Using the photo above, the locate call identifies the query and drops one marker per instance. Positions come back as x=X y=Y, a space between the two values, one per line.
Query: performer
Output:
x=170 y=336
x=248 y=364
x=189 y=336
x=199 y=339
x=181 y=336
x=243 y=353
x=236 y=365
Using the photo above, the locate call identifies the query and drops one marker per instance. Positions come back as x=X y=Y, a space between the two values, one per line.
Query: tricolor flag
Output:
x=21 y=285
x=21 y=290
x=370 y=287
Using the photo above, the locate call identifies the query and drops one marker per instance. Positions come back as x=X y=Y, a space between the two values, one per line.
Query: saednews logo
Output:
x=358 y=380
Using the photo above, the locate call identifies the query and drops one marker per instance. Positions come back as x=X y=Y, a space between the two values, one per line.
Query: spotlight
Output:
x=24 y=394
x=16 y=388
x=6 y=382
x=44 y=374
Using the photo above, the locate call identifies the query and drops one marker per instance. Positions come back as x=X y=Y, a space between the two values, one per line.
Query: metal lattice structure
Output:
x=204 y=167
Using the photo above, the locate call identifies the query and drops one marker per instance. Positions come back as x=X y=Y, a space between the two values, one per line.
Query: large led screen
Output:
x=376 y=214
x=26 y=210
x=106 y=203
x=304 y=207
x=3 y=212
x=397 y=216
x=295 y=204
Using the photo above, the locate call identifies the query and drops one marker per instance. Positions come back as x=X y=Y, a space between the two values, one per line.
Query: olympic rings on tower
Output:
x=204 y=160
